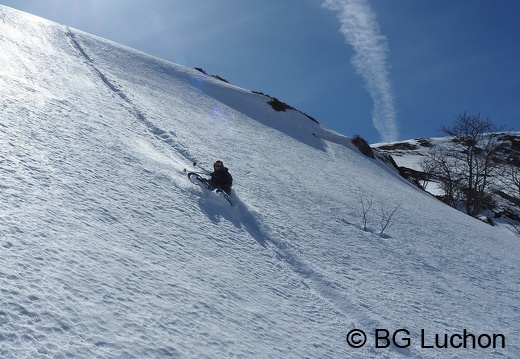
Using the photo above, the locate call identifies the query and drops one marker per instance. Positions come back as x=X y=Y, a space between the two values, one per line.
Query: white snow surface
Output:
x=108 y=251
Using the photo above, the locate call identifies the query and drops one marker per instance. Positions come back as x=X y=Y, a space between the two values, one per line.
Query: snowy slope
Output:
x=108 y=251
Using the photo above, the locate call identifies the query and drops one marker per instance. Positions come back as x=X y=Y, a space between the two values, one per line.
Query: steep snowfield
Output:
x=108 y=251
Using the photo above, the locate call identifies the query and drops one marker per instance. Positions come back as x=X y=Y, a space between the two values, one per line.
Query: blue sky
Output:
x=411 y=64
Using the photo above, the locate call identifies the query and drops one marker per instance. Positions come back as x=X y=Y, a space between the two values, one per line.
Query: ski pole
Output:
x=195 y=164
x=197 y=172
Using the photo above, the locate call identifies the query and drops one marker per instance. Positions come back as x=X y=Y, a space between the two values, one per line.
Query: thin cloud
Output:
x=361 y=30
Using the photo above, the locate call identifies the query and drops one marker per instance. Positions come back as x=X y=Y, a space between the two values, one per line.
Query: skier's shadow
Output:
x=238 y=214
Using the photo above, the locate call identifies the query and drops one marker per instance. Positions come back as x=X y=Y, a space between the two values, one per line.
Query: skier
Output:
x=221 y=178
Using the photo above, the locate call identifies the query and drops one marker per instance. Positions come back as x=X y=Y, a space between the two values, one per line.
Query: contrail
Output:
x=360 y=28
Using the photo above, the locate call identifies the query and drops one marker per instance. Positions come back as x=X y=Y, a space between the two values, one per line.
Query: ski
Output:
x=198 y=180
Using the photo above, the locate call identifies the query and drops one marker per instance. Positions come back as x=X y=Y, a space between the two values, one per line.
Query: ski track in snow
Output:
x=165 y=136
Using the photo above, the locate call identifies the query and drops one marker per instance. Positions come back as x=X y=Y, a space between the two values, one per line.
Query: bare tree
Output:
x=386 y=217
x=514 y=178
x=386 y=214
x=366 y=204
x=473 y=158
x=440 y=166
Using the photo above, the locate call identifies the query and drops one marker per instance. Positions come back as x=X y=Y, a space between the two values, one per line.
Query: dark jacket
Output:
x=221 y=179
